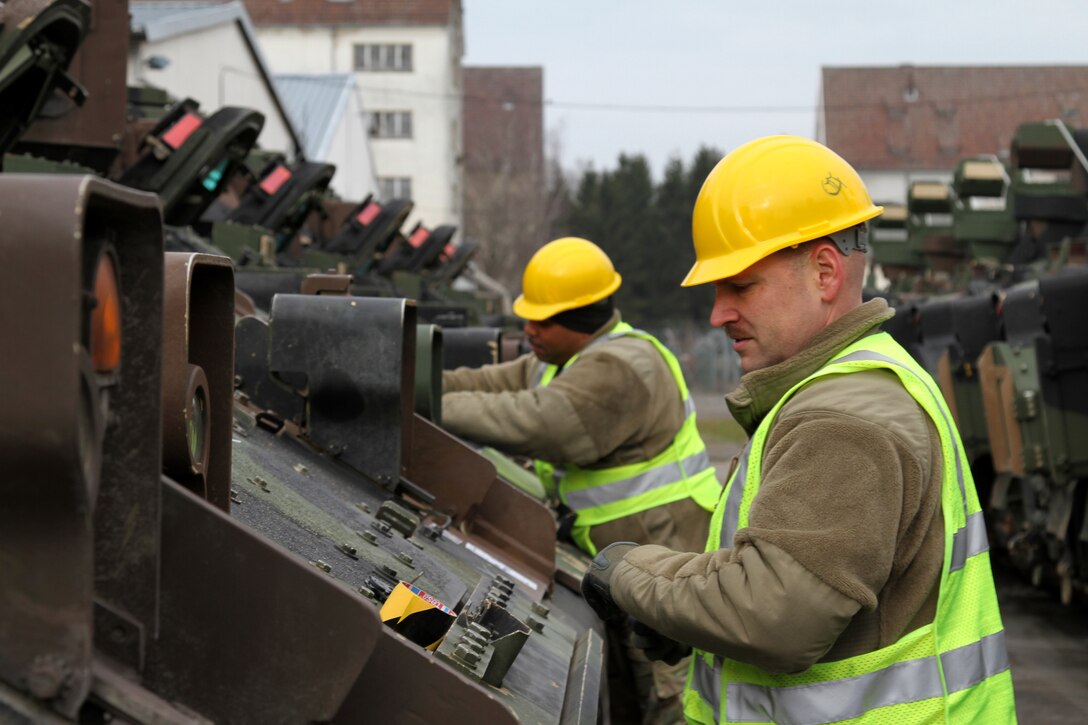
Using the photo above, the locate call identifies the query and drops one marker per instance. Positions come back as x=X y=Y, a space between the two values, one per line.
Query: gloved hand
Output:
x=657 y=646
x=565 y=518
x=596 y=584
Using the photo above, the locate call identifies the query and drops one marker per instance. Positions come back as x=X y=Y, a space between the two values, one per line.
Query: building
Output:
x=327 y=111
x=208 y=51
x=907 y=123
x=505 y=198
x=406 y=57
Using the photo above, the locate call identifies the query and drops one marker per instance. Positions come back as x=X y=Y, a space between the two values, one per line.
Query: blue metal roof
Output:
x=158 y=20
x=316 y=104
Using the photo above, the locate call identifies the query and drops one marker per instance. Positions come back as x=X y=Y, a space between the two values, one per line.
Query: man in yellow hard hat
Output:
x=604 y=410
x=846 y=577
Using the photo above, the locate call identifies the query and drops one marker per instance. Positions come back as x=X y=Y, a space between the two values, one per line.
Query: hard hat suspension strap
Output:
x=854 y=239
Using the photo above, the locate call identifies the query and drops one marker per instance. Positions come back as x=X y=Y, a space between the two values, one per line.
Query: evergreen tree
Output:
x=646 y=230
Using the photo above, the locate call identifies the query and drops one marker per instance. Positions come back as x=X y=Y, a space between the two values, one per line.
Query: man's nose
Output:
x=531 y=328
x=724 y=311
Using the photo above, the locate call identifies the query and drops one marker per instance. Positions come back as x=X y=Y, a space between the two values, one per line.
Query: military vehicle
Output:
x=212 y=513
x=995 y=313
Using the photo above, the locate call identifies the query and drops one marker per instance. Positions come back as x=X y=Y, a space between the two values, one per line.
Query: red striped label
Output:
x=180 y=131
x=272 y=183
x=368 y=213
x=429 y=599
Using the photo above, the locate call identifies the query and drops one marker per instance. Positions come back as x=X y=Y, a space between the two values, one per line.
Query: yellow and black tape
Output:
x=417 y=615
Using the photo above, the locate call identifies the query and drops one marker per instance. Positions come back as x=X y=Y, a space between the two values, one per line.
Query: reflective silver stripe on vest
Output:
x=876 y=356
x=707 y=681
x=664 y=475
x=970 y=665
x=969 y=541
x=732 y=504
x=835 y=700
x=539 y=375
x=689 y=407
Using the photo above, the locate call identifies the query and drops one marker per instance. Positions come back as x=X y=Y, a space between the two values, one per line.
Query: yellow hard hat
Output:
x=769 y=194
x=564 y=274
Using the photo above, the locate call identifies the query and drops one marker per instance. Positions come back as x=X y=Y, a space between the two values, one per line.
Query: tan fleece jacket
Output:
x=616 y=404
x=843 y=550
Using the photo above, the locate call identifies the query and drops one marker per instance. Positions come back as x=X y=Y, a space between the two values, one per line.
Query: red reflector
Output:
x=368 y=213
x=418 y=237
x=447 y=252
x=183 y=129
x=277 y=178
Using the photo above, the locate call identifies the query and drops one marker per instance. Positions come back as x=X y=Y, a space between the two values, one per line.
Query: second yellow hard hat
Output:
x=564 y=274
x=769 y=194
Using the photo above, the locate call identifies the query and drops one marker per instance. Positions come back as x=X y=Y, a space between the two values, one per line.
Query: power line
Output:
x=694 y=108
x=680 y=108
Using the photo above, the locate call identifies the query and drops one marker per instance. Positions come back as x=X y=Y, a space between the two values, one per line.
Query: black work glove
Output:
x=657 y=646
x=596 y=584
x=565 y=518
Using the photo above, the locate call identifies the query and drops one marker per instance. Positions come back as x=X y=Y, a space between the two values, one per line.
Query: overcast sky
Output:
x=664 y=77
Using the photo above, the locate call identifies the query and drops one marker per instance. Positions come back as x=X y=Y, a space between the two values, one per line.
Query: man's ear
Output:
x=829 y=267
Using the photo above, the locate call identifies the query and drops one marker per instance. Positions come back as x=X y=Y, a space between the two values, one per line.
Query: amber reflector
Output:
x=106 y=318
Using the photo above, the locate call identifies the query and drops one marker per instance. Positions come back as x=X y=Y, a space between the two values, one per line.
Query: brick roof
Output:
x=918 y=117
x=354 y=12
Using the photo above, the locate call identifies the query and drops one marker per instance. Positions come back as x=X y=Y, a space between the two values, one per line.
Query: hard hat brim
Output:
x=728 y=265
x=536 y=312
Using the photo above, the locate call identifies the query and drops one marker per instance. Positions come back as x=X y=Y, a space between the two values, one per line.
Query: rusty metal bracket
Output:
x=465 y=486
x=71 y=437
x=269 y=624
x=358 y=355
x=198 y=373
x=320 y=283
x=284 y=398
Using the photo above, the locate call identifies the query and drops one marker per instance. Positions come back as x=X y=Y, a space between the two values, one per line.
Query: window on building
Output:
x=394 y=187
x=382 y=57
x=391 y=124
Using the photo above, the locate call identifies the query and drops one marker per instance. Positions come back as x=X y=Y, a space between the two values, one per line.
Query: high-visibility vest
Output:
x=682 y=470
x=954 y=670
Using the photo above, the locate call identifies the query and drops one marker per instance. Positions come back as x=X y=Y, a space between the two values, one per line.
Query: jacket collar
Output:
x=603 y=330
x=607 y=327
x=760 y=390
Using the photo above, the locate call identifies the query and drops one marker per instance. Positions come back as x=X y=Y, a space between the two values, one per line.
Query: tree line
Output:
x=645 y=227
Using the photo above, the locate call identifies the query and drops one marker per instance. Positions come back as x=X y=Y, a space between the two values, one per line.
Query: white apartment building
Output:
x=406 y=57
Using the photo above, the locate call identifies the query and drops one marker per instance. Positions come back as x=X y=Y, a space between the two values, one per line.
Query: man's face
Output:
x=552 y=343
x=769 y=310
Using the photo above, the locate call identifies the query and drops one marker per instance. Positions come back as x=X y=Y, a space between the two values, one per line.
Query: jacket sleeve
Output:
x=512 y=375
x=581 y=416
x=753 y=603
x=819 y=547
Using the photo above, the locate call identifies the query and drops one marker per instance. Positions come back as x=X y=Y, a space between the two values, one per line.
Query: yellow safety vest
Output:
x=682 y=470
x=954 y=670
